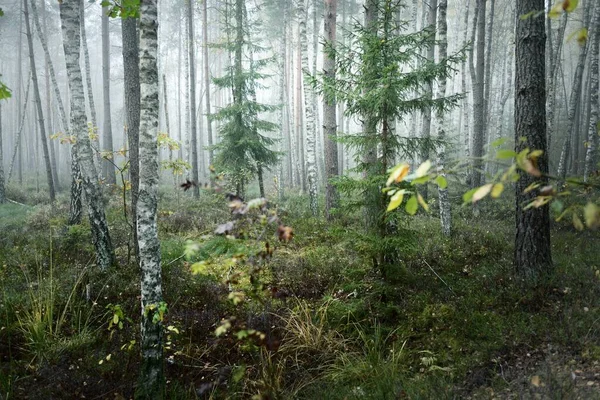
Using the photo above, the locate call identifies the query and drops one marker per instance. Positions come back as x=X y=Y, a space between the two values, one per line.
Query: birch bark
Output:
x=83 y=156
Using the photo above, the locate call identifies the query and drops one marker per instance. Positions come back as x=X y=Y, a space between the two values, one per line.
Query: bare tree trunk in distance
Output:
x=2 y=189
x=211 y=153
x=478 y=98
x=532 y=241
x=38 y=104
x=69 y=15
x=192 y=96
x=591 y=155
x=329 y=111
x=108 y=169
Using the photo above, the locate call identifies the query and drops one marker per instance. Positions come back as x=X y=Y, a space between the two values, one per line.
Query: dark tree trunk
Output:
x=532 y=241
x=132 y=111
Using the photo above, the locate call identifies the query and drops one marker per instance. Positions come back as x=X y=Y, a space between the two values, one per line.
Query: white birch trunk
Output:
x=311 y=166
x=152 y=374
x=591 y=156
x=69 y=14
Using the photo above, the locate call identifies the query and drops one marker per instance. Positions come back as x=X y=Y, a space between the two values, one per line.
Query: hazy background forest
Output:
x=274 y=199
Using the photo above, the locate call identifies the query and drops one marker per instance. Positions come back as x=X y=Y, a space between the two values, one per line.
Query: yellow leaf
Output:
x=423 y=169
x=535 y=381
x=577 y=222
x=582 y=36
x=398 y=174
x=591 y=213
x=482 y=192
x=556 y=11
x=422 y=202
x=497 y=190
x=395 y=201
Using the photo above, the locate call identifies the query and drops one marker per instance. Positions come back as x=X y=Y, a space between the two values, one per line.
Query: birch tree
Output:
x=69 y=15
x=192 y=96
x=444 y=200
x=309 y=105
x=591 y=154
x=152 y=381
x=108 y=169
x=206 y=61
x=478 y=95
x=2 y=189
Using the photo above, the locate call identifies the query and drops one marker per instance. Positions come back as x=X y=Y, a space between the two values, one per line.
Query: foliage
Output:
x=376 y=87
x=244 y=147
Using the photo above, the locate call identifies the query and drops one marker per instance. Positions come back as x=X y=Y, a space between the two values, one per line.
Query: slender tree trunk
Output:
x=329 y=108
x=532 y=240
x=20 y=80
x=108 y=169
x=553 y=76
x=478 y=98
x=428 y=93
x=131 y=75
x=192 y=97
x=311 y=166
x=445 y=212
x=206 y=60
x=88 y=83
x=38 y=104
x=488 y=70
x=19 y=135
x=283 y=139
x=44 y=33
x=152 y=380
x=2 y=190
x=166 y=107
x=69 y=15
x=179 y=90
x=591 y=153
x=574 y=104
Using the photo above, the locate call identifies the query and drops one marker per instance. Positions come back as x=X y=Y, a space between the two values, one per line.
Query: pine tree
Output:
x=370 y=80
x=243 y=150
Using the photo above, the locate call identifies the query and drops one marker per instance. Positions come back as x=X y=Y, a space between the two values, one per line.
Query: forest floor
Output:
x=436 y=318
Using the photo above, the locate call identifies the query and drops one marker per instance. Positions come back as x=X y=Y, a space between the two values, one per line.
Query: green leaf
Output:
x=412 y=205
x=419 y=181
x=200 y=267
x=469 y=195
x=557 y=206
x=577 y=222
x=395 y=201
x=498 y=142
x=505 y=154
x=1 y=12
x=441 y=182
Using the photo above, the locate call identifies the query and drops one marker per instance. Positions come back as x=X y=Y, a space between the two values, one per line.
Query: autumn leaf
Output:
x=423 y=169
x=396 y=200
x=577 y=222
x=569 y=5
x=398 y=174
x=591 y=213
x=482 y=192
x=497 y=190
x=535 y=381
x=285 y=233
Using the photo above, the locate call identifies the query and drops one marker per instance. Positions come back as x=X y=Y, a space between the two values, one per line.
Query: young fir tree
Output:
x=375 y=80
x=244 y=150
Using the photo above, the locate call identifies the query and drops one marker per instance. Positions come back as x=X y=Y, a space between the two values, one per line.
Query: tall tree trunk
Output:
x=131 y=75
x=166 y=107
x=532 y=240
x=464 y=115
x=108 y=169
x=207 y=82
x=311 y=166
x=192 y=97
x=591 y=154
x=2 y=190
x=283 y=139
x=478 y=98
x=553 y=76
x=152 y=380
x=44 y=33
x=19 y=135
x=574 y=102
x=88 y=83
x=69 y=15
x=428 y=93
x=442 y=30
x=21 y=112
x=38 y=104
x=488 y=70
x=329 y=108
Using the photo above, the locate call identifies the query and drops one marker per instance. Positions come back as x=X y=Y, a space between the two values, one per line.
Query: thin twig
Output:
x=440 y=278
